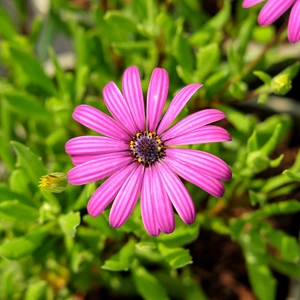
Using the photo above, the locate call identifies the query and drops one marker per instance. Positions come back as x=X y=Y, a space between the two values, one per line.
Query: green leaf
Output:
x=6 y=154
x=7 y=28
x=261 y=278
x=238 y=90
x=7 y=194
x=175 y=257
x=215 y=82
x=287 y=268
x=254 y=248
x=292 y=175
x=220 y=19
x=208 y=59
x=274 y=140
x=262 y=98
x=274 y=163
x=182 y=234
x=120 y=27
x=30 y=162
x=122 y=260
x=240 y=121
x=101 y=223
x=26 y=106
x=266 y=78
x=264 y=34
x=181 y=49
x=245 y=33
x=32 y=70
x=69 y=222
x=148 y=285
x=257 y=198
x=19 y=247
x=286 y=244
x=285 y=207
x=82 y=76
x=291 y=71
x=16 y=212
x=252 y=143
x=37 y=291
x=258 y=161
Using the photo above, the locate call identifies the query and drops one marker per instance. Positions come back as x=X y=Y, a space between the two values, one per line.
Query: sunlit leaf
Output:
x=69 y=222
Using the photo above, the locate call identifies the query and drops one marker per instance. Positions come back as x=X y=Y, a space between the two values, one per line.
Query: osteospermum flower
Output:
x=137 y=152
x=273 y=9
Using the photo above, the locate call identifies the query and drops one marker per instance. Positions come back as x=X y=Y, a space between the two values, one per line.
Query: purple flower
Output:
x=273 y=9
x=137 y=152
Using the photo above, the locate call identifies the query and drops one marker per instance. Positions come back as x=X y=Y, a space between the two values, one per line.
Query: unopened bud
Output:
x=281 y=84
x=54 y=182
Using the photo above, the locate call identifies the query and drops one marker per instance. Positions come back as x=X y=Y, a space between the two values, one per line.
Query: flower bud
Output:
x=55 y=182
x=281 y=84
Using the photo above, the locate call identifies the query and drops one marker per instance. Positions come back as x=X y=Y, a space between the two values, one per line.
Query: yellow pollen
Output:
x=158 y=148
x=138 y=134
x=158 y=140
x=139 y=160
x=131 y=146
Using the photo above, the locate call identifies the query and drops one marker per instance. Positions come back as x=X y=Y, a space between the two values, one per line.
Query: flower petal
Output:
x=206 y=134
x=249 y=3
x=209 y=184
x=108 y=190
x=147 y=205
x=133 y=94
x=294 y=23
x=204 y=162
x=272 y=10
x=156 y=97
x=80 y=159
x=177 y=104
x=96 y=120
x=193 y=122
x=163 y=206
x=118 y=107
x=92 y=145
x=97 y=169
x=178 y=194
x=126 y=198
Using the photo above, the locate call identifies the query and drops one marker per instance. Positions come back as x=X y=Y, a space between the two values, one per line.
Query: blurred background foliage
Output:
x=57 y=54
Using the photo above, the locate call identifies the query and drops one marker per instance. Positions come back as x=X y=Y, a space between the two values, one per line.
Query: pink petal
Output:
x=209 y=184
x=118 y=107
x=178 y=194
x=294 y=23
x=96 y=120
x=97 y=169
x=206 y=134
x=156 y=97
x=94 y=145
x=126 y=198
x=249 y=3
x=80 y=159
x=193 y=122
x=272 y=10
x=147 y=205
x=163 y=206
x=204 y=162
x=108 y=190
x=177 y=105
x=133 y=94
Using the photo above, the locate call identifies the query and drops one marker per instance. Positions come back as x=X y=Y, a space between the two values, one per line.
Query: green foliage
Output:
x=50 y=247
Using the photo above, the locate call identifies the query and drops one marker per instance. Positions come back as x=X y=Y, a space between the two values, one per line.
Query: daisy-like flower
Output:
x=273 y=9
x=137 y=152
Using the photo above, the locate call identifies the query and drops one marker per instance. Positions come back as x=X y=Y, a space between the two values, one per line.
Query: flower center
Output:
x=147 y=148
